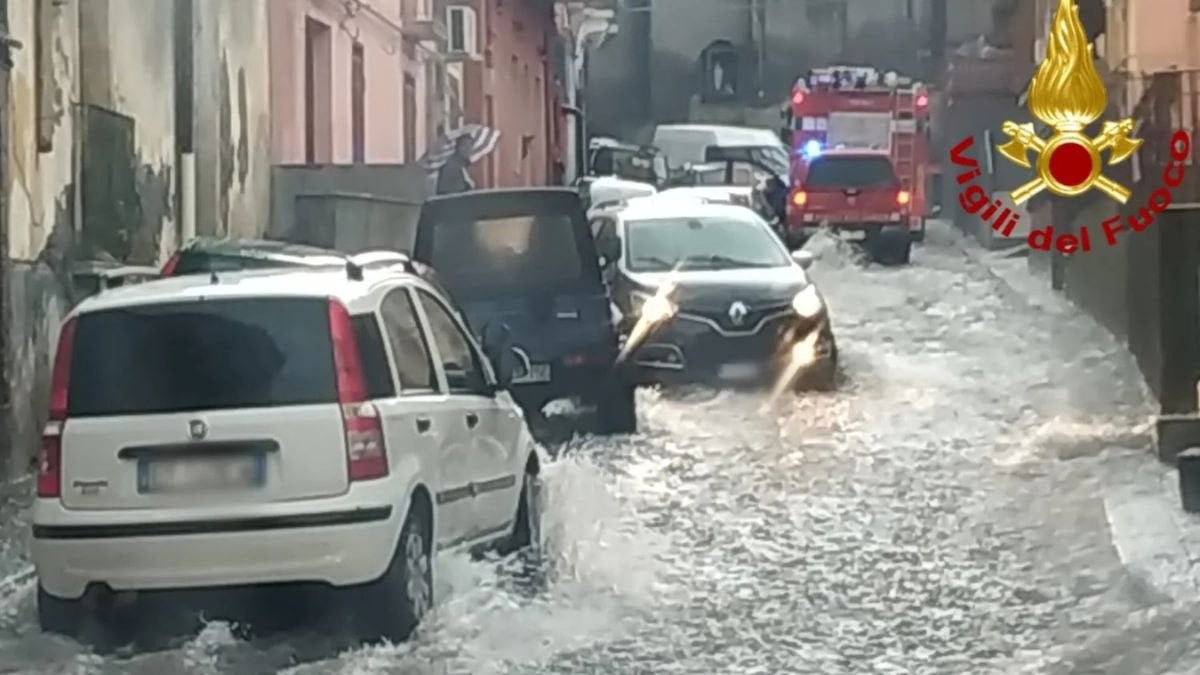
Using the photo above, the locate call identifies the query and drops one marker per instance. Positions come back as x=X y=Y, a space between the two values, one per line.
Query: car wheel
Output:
x=892 y=250
x=919 y=234
x=823 y=374
x=393 y=606
x=616 y=407
x=527 y=526
x=60 y=616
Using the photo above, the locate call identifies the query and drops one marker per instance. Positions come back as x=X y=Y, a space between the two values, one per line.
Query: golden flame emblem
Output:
x=1067 y=94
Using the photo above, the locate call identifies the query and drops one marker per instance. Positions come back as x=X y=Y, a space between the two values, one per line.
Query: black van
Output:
x=526 y=258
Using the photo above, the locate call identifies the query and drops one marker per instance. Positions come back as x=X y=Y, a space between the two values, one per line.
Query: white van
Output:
x=686 y=143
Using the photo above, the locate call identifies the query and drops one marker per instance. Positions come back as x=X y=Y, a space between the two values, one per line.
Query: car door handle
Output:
x=472 y=420
x=424 y=424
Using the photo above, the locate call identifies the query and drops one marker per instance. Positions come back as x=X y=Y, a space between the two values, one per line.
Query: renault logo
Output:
x=738 y=312
x=197 y=430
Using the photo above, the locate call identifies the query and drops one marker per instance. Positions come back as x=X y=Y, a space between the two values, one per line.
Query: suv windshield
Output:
x=851 y=172
x=707 y=242
x=517 y=251
x=208 y=355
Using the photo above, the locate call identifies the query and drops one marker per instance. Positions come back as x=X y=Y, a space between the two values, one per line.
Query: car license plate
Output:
x=738 y=371
x=854 y=235
x=538 y=372
x=201 y=474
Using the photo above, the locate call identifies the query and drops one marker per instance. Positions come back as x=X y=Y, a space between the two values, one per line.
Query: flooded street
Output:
x=943 y=512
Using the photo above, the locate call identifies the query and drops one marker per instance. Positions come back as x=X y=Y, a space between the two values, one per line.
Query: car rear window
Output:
x=851 y=172
x=205 y=355
x=517 y=251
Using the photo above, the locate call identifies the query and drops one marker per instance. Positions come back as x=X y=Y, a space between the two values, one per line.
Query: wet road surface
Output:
x=941 y=513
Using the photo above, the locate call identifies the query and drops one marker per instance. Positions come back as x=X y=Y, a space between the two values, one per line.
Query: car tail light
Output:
x=797 y=98
x=800 y=198
x=903 y=198
x=922 y=100
x=169 y=268
x=49 y=479
x=366 y=453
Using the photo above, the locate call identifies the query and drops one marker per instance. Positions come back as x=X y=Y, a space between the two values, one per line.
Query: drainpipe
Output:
x=578 y=166
x=591 y=23
x=7 y=427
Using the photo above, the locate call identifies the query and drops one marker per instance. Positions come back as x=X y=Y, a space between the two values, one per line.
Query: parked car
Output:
x=525 y=257
x=685 y=144
x=276 y=427
x=97 y=276
x=204 y=255
x=603 y=191
x=858 y=194
x=718 y=295
x=209 y=256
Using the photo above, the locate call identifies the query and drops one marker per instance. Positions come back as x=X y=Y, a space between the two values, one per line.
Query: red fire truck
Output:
x=851 y=111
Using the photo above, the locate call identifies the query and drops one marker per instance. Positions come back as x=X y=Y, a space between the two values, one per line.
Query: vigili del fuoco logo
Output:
x=1067 y=95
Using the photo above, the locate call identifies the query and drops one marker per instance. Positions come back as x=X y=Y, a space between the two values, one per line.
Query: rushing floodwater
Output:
x=941 y=513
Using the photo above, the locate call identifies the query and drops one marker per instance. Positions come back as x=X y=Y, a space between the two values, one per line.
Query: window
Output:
x=212 y=355
x=358 y=109
x=45 y=80
x=520 y=251
x=603 y=228
x=184 y=80
x=410 y=118
x=705 y=243
x=318 y=101
x=851 y=172
x=461 y=30
x=464 y=372
x=413 y=363
x=374 y=357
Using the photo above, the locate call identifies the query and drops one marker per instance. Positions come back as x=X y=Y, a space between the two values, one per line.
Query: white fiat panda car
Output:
x=332 y=427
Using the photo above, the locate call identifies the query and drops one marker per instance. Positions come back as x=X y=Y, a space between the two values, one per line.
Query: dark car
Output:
x=205 y=255
x=858 y=194
x=709 y=293
x=209 y=255
x=526 y=259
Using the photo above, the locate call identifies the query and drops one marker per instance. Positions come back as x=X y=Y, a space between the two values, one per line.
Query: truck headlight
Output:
x=808 y=303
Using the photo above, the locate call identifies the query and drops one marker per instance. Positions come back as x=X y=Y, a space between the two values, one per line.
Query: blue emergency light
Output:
x=812 y=148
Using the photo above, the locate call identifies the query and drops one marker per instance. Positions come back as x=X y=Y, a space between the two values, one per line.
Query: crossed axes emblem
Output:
x=1069 y=146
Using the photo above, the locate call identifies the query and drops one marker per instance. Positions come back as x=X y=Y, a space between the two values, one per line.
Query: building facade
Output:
x=509 y=82
x=340 y=90
x=114 y=128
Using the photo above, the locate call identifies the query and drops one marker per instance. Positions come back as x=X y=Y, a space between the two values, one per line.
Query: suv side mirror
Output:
x=497 y=347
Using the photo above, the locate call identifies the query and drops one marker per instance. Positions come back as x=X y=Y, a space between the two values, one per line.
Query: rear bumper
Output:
x=338 y=545
x=565 y=382
x=801 y=233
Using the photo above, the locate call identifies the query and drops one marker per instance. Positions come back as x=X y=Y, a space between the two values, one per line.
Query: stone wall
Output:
x=95 y=151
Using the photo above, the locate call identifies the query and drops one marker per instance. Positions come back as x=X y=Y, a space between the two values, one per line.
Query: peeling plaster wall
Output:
x=127 y=56
x=116 y=59
x=232 y=117
x=41 y=206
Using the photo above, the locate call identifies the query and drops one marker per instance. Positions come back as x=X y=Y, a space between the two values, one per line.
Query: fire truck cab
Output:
x=859 y=116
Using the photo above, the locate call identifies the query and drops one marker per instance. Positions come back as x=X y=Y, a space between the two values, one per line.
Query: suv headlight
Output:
x=808 y=303
x=653 y=308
